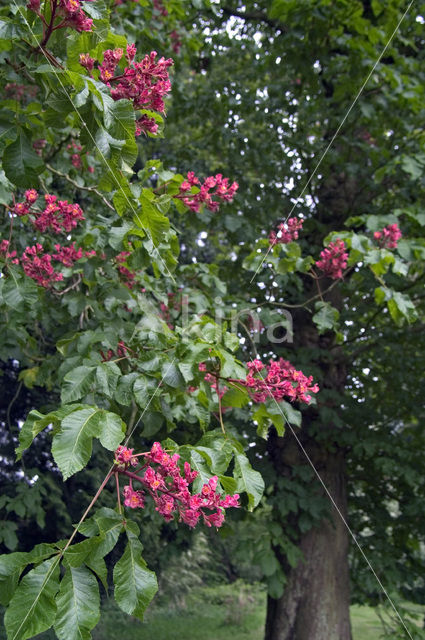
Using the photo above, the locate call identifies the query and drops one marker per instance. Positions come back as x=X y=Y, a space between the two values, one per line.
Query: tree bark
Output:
x=315 y=603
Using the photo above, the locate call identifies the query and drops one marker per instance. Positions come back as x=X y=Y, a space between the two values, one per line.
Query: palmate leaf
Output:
x=33 y=608
x=135 y=584
x=77 y=602
x=72 y=446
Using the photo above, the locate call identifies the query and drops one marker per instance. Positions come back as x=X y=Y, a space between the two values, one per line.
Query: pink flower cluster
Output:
x=74 y=16
x=213 y=186
x=280 y=381
x=121 y=352
x=176 y=42
x=6 y=254
x=70 y=13
x=333 y=259
x=20 y=92
x=128 y=277
x=158 y=6
x=388 y=237
x=287 y=231
x=38 y=266
x=67 y=255
x=145 y=83
x=212 y=380
x=57 y=215
x=163 y=480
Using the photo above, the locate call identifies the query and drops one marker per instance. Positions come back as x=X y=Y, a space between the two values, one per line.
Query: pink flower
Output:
x=133 y=499
x=146 y=124
x=389 y=236
x=144 y=83
x=31 y=196
x=34 y=5
x=169 y=489
x=87 y=61
x=205 y=194
x=37 y=265
x=333 y=259
x=287 y=231
x=6 y=254
x=281 y=381
x=67 y=255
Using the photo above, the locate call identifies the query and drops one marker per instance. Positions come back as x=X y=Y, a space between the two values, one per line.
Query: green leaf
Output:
x=77 y=383
x=11 y=567
x=32 y=426
x=135 y=584
x=235 y=397
x=72 y=446
x=292 y=415
x=151 y=220
x=112 y=429
x=36 y=422
x=171 y=375
x=118 y=117
x=326 y=316
x=107 y=375
x=32 y=608
x=401 y=308
x=249 y=480
x=77 y=605
x=21 y=164
x=124 y=391
x=76 y=554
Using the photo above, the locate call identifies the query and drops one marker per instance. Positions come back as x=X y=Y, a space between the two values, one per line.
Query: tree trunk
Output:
x=315 y=603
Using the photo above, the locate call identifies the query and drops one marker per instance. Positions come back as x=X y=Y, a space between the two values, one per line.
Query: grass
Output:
x=365 y=623
x=225 y=612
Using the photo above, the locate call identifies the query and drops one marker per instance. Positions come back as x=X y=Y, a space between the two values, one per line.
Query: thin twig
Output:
x=78 y=186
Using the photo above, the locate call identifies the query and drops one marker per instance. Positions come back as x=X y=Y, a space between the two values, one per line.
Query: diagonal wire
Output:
x=360 y=91
x=84 y=124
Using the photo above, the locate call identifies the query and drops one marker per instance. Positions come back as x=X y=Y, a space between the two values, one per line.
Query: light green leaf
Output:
x=72 y=446
x=135 y=584
x=36 y=422
x=32 y=608
x=107 y=375
x=152 y=220
x=249 y=480
x=171 y=375
x=77 y=383
x=112 y=429
x=77 y=605
x=292 y=415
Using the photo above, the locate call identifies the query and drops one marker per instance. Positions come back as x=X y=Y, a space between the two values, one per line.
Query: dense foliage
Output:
x=209 y=280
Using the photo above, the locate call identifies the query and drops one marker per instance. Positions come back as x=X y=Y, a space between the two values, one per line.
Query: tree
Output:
x=83 y=312
x=270 y=98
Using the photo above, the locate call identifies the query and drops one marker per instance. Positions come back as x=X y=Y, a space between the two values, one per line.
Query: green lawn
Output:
x=365 y=623
x=216 y=613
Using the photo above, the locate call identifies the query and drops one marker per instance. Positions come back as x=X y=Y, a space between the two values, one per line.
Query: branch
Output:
x=77 y=186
